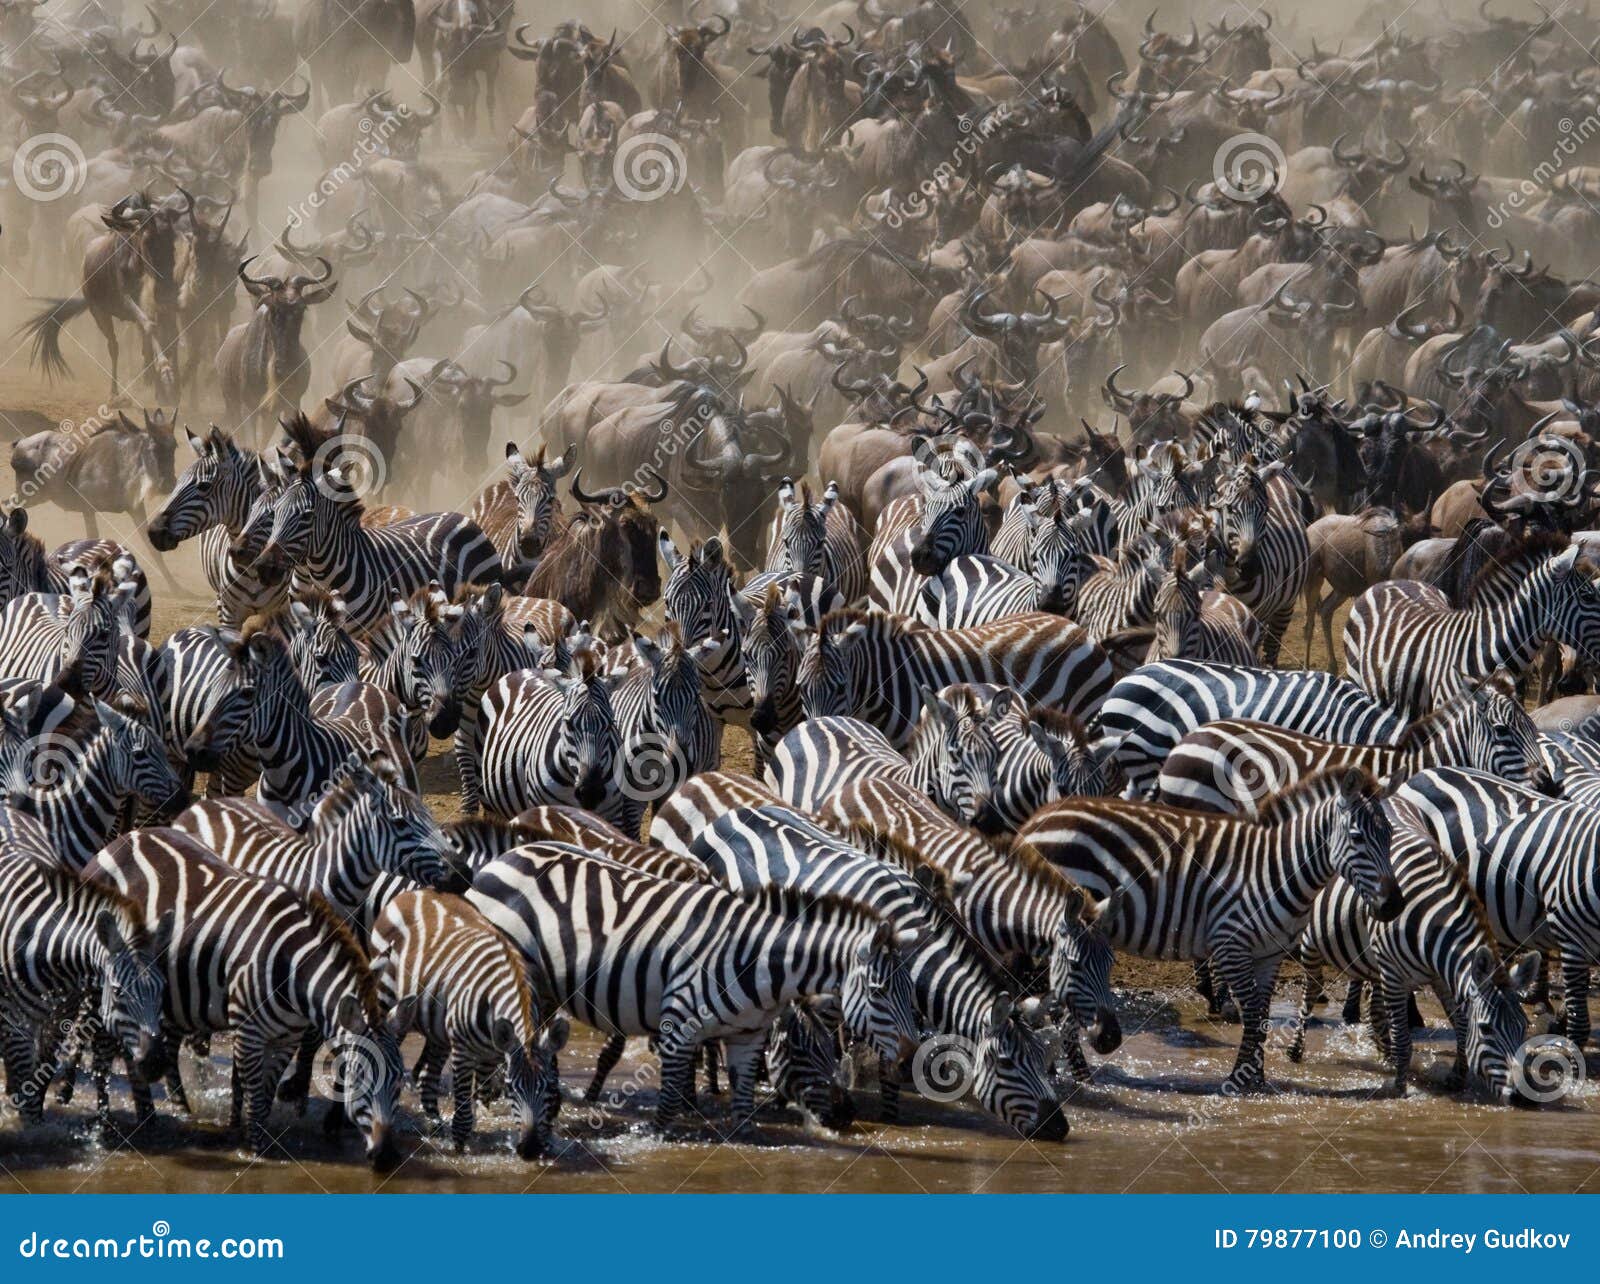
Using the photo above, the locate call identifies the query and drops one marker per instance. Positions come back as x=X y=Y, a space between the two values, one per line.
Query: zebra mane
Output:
x=330 y=921
x=1319 y=787
x=841 y=618
x=1417 y=733
x=894 y=850
x=1506 y=567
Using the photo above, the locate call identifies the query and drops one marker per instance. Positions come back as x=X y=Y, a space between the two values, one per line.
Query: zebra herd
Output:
x=1030 y=725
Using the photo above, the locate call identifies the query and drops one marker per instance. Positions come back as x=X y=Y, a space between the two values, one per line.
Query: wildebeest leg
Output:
x=91 y=519
x=108 y=332
x=1325 y=609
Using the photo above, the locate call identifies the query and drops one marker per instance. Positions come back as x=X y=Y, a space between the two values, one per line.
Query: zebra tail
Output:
x=45 y=331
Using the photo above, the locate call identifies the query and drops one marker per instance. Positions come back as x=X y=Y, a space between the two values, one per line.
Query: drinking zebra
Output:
x=475 y=1010
x=1182 y=885
x=632 y=954
x=1148 y=712
x=1226 y=766
x=251 y=956
x=1440 y=940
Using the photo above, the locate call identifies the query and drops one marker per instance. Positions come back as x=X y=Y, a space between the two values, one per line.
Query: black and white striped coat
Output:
x=960 y=989
x=25 y=567
x=475 y=1010
x=874 y=667
x=1261 y=518
x=1149 y=711
x=1235 y=892
x=60 y=940
x=632 y=954
x=816 y=538
x=1406 y=645
x=1531 y=862
x=249 y=955
x=1231 y=765
x=1440 y=941
x=40 y=633
x=945 y=522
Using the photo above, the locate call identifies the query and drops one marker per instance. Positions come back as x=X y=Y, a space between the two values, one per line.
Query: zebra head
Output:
x=1055 y=558
x=676 y=735
x=804 y=1063
x=1359 y=840
x=426 y=657
x=320 y=645
x=878 y=998
x=92 y=627
x=532 y=1080
x=1505 y=739
x=533 y=486
x=1240 y=504
x=370 y=804
x=1012 y=1074
x=22 y=558
x=696 y=593
x=802 y=546
x=371 y=1070
x=1080 y=970
x=300 y=499
x=1075 y=771
x=1577 y=606
x=827 y=675
x=961 y=737
x=134 y=988
x=771 y=654
x=587 y=740
x=129 y=760
x=266 y=519
x=212 y=491
x=952 y=516
x=1496 y=1023
x=229 y=710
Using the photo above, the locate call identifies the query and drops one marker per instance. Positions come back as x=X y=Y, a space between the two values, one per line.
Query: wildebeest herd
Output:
x=957 y=404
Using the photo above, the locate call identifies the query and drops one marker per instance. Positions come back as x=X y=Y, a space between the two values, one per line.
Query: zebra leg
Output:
x=252 y=1089
x=888 y=1090
x=604 y=1064
x=1380 y=1021
x=1308 y=1001
x=1397 y=999
x=1273 y=625
x=711 y=1053
x=743 y=1054
x=468 y=741
x=430 y=1066
x=1414 y=1013
x=677 y=1079
x=1575 y=1005
x=461 y=1082
x=1072 y=1049
x=1351 y=1015
x=1251 y=982
x=26 y=1091
x=297 y=1087
x=1204 y=987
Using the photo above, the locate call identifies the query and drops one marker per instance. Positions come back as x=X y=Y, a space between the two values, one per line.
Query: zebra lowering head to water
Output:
x=1183 y=885
x=1440 y=940
x=61 y=938
x=633 y=954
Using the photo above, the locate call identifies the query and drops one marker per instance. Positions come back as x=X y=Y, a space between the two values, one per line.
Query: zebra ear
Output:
x=515 y=462
x=830 y=497
x=402 y=1015
x=647 y=651
x=711 y=551
x=1524 y=972
x=17 y=520
x=999 y=1013
x=302 y=614
x=556 y=1032
x=1001 y=704
x=503 y=1036
x=1484 y=963
x=108 y=933
x=669 y=551
x=349 y=1016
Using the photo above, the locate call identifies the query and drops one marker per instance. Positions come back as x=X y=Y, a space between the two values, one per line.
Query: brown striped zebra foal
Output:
x=476 y=1010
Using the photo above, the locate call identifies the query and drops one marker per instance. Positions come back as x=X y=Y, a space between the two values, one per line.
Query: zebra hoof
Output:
x=1297 y=1052
x=1228 y=1011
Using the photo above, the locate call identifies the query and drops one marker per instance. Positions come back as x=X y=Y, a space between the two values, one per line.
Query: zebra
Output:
x=251 y=956
x=498 y=633
x=948 y=523
x=1226 y=766
x=804 y=1065
x=25 y=567
x=1194 y=621
x=632 y=954
x=819 y=539
x=668 y=734
x=207 y=683
x=315 y=530
x=769 y=649
x=977 y=588
x=1440 y=940
x=551 y=739
x=1530 y=860
x=579 y=828
x=316 y=627
x=61 y=938
x=475 y=1009
x=874 y=667
x=697 y=596
x=1405 y=644
x=1261 y=519
x=1148 y=712
x=414 y=658
x=40 y=632
x=1015 y=905
x=212 y=499
x=952 y=756
x=677 y=823
x=959 y=988
x=518 y=512
x=78 y=779
x=1235 y=892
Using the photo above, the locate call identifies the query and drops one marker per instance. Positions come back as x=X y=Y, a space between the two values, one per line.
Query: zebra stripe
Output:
x=819 y=539
x=42 y=632
x=1261 y=519
x=946 y=522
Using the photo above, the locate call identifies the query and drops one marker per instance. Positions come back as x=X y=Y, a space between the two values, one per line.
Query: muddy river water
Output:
x=1152 y=1120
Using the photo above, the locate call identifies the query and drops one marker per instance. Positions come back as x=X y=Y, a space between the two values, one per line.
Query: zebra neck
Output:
x=1295 y=861
x=1005 y=912
x=1510 y=629
x=343 y=868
